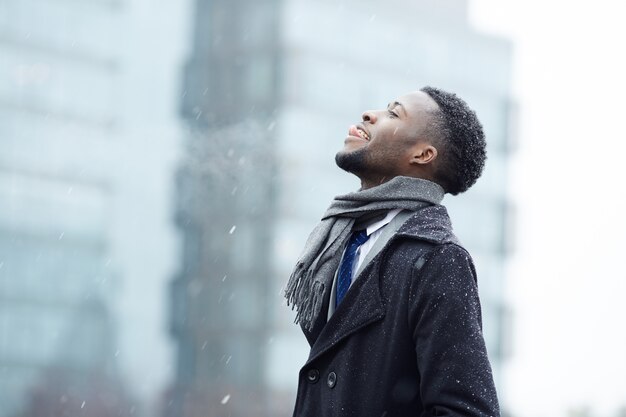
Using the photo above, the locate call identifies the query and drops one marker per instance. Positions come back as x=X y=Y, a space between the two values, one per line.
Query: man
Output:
x=384 y=293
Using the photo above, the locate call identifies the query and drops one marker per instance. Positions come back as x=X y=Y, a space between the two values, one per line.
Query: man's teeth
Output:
x=362 y=134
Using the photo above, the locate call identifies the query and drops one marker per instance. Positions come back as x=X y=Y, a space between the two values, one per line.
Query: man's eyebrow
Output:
x=396 y=103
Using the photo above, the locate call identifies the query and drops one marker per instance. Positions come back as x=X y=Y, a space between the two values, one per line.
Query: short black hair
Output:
x=462 y=152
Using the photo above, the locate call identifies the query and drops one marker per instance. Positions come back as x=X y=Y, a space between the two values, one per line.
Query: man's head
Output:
x=429 y=134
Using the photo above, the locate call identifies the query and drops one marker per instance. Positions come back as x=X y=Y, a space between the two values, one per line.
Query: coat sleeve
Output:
x=445 y=320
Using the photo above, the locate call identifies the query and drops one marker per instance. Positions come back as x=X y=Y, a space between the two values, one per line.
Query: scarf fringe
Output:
x=302 y=287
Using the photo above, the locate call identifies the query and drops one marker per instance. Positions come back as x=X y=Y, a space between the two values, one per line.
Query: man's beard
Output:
x=353 y=162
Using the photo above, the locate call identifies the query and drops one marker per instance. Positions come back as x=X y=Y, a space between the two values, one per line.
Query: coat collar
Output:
x=363 y=304
x=431 y=224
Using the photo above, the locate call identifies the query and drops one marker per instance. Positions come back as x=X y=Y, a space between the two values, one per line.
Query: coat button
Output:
x=332 y=380
x=313 y=376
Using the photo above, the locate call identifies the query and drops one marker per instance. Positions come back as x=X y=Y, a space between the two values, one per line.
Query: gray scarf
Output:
x=320 y=258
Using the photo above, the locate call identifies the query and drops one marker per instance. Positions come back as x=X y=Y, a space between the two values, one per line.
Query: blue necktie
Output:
x=344 y=278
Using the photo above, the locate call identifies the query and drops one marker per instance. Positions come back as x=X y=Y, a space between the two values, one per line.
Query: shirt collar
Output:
x=382 y=222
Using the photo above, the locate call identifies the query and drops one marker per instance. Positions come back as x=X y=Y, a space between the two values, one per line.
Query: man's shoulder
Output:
x=427 y=235
x=431 y=224
x=416 y=252
x=423 y=235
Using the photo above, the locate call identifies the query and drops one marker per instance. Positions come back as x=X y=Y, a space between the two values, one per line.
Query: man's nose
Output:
x=369 y=116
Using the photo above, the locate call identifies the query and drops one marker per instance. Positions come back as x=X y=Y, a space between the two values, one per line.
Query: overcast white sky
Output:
x=568 y=276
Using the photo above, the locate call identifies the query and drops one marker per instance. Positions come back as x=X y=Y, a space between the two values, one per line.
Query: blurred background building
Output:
x=220 y=316
x=161 y=166
x=88 y=130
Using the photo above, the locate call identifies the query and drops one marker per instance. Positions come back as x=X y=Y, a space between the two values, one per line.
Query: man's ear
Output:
x=423 y=154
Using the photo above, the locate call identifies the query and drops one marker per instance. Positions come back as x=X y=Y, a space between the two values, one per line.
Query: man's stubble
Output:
x=353 y=162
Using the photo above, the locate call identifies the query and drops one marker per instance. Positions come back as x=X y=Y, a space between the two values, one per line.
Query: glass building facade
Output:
x=55 y=284
x=226 y=212
x=88 y=137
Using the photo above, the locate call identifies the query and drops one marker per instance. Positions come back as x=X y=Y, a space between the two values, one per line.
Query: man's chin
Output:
x=351 y=160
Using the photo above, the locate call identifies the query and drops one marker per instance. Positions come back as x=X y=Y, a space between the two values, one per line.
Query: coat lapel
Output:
x=387 y=233
x=361 y=306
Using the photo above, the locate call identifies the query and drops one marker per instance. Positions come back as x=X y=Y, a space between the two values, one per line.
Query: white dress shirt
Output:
x=373 y=231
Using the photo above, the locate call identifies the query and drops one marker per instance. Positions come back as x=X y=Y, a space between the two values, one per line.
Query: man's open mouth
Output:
x=359 y=132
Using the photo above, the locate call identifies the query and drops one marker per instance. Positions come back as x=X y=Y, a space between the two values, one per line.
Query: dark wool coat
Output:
x=407 y=339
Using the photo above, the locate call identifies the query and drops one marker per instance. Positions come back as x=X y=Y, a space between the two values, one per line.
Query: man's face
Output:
x=380 y=147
